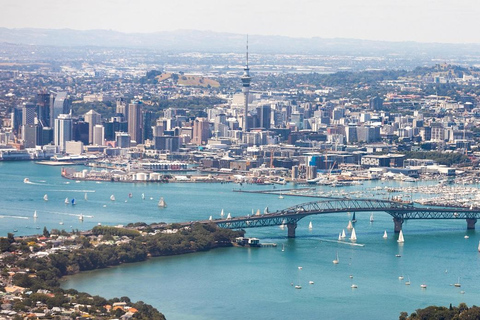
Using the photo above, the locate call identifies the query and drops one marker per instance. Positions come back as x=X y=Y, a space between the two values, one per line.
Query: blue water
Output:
x=252 y=283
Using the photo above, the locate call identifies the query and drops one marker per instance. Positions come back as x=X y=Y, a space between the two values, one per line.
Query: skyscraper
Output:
x=246 y=79
x=60 y=105
x=63 y=131
x=98 y=135
x=135 y=121
x=201 y=131
x=93 y=118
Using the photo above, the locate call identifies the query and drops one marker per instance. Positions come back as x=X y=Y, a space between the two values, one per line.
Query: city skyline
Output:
x=425 y=21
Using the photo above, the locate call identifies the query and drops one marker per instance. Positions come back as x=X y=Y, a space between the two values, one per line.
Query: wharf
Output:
x=275 y=191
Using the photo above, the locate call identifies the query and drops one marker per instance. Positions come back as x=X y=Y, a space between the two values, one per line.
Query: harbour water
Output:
x=253 y=283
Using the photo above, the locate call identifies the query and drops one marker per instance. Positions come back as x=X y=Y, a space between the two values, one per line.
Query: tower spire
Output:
x=247 y=51
x=246 y=89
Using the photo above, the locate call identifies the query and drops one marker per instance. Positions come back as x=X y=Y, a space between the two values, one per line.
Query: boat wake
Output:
x=81 y=191
x=344 y=242
x=13 y=217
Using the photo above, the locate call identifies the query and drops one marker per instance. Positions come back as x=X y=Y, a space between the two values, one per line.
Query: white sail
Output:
x=35 y=214
x=265 y=211
x=385 y=235
x=86 y=196
x=371 y=217
x=479 y=246
x=310 y=225
x=336 y=261
x=112 y=197
x=280 y=196
x=162 y=203
x=350 y=226
x=400 y=237
x=353 y=236
x=143 y=196
x=66 y=201
x=339 y=237
x=80 y=217
x=229 y=216
x=45 y=197
x=222 y=214
x=211 y=218
x=258 y=212
x=343 y=234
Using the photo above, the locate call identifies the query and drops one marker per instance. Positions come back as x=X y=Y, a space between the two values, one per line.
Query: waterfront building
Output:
x=122 y=139
x=63 y=131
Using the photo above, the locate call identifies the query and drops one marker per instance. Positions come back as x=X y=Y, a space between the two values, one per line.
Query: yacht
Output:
x=162 y=203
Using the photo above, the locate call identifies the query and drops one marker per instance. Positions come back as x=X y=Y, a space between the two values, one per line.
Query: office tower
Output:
x=135 y=121
x=376 y=103
x=43 y=102
x=98 y=135
x=114 y=125
x=80 y=131
x=246 y=79
x=92 y=118
x=122 y=139
x=60 y=105
x=264 y=116
x=28 y=113
x=147 y=131
x=63 y=131
x=122 y=108
x=201 y=131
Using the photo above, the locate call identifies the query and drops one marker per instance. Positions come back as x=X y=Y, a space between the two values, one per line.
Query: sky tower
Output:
x=246 y=89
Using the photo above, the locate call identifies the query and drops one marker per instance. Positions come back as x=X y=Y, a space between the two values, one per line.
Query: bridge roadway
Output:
x=399 y=211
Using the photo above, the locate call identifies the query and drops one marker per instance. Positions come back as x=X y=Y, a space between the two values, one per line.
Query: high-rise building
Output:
x=63 y=131
x=246 y=79
x=92 y=118
x=98 y=135
x=122 y=108
x=135 y=121
x=28 y=113
x=43 y=102
x=264 y=116
x=201 y=131
x=147 y=131
x=60 y=105
x=122 y=139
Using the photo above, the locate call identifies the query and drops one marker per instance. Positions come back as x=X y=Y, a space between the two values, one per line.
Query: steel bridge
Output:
x=399 y=211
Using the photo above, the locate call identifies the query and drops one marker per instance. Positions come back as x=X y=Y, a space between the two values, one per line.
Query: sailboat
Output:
x=162 y=203
x=340 y=237
x=112 y=197
x=222 y=214
x=458 y=285
x=310 y=226
x=336 y=261
x=265 y=211
x=350 y=226
x=229 y=216
x=280 y=196
x=45 y=197
x=343 y=234
x=35 y=214
x=66 y=201
x=283 y=247
x=385 y=234
x=73 y=202
x=400 y=237
x=282 y=226
x=211 y=218
x=353 y=236
x=371 y=217
x=258 y=212
x=143 y=196
x=353 y=218
x=478 y=246
x=80 y=217
x=86 y=196
x=407 y=283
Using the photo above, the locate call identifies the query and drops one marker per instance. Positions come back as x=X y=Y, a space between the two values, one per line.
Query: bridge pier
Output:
x=291 y=229
x=471 y=223
x=398 y=224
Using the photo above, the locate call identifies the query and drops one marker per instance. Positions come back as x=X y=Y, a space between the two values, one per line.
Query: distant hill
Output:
x=207 y=41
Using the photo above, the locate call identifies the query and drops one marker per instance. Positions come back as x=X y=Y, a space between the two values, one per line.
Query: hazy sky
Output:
x=398 y=20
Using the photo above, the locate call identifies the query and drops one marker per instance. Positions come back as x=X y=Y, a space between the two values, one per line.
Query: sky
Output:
x=446 y=21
